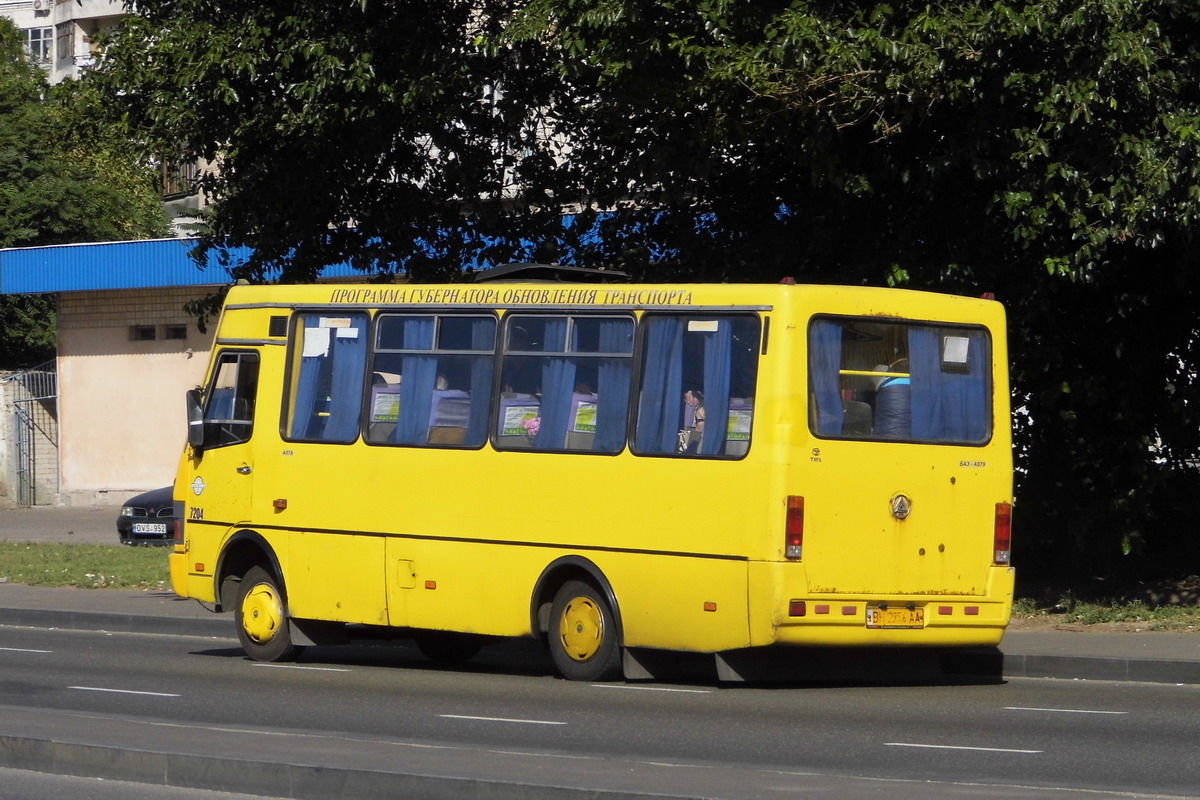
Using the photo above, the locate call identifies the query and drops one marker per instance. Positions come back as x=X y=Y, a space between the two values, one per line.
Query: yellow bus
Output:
x=616 y=469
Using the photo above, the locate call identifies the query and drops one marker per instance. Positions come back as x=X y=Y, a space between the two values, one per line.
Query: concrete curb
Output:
x=242 y=776
x=1017 y=665
x=218 y=626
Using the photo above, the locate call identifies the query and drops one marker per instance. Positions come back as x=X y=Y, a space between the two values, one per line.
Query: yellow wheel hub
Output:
x=581 y=628
x=262 y=613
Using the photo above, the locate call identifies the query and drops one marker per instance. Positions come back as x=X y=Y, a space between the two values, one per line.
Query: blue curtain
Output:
x=349 y=355
x=483 y=337
x=718 y=348
x=947 y=406
x=418 y=379
x=660 y=411
x=558 y=383
x=305 y=422
x=612 y=389
x=825 y=357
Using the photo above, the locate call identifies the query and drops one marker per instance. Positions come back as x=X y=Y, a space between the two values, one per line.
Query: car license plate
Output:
x=895 y=617
x=150 y=527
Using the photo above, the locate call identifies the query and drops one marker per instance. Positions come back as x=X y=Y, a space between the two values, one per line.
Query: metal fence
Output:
x=34 y=395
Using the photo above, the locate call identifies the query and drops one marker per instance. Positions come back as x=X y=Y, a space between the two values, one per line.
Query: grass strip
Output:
x=84 y=566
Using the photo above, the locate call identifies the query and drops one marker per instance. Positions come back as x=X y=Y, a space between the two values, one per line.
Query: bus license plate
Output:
x=149 y=527
x=895 y=617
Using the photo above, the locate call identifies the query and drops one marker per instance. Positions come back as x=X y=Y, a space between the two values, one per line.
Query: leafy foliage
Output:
x=363 y=131
x=65 y=176
x=1043 y=150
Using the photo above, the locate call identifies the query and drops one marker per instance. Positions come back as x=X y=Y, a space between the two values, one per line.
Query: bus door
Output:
x=910 y=467
x=323 y=491
x=221 y=480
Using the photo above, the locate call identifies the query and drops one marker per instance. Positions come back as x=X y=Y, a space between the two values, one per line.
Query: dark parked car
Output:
x=147 y=518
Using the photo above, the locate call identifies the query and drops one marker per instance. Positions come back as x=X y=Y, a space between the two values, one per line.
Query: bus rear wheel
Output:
x=583 y=634
x=262 y=620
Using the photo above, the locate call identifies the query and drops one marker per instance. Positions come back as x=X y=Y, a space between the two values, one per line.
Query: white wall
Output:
x=122 y=420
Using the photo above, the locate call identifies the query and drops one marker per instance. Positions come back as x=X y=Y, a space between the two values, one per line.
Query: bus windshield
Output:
x=899 y=380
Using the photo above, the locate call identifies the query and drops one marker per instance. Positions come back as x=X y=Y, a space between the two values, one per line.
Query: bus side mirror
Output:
x=195 y=417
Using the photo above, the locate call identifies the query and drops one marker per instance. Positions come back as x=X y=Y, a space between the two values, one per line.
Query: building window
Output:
x=142 y=333
x=64 y=45
x=175 y=331
x=179 y=178
x=40 y=42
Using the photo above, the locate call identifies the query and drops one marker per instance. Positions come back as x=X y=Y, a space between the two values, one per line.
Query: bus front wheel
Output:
x=261 y=617
x=583 y=634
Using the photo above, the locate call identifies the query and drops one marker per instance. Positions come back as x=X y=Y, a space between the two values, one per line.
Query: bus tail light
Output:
x=793 y=543
x=178 y=523
x=1002 y=539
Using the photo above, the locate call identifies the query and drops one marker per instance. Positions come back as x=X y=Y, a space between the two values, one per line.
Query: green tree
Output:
x=351 y=131
x=1044 y=150
x=65 y=176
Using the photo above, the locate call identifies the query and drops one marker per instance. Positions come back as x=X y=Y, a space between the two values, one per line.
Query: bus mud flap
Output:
x=645 y=664
x=312 y=632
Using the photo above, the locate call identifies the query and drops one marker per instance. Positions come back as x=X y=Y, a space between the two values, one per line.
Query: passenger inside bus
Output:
x=692 y=432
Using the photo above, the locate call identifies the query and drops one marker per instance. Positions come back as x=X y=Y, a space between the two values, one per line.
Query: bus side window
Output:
x=697 y=385
x=329 y=358
x=432 y=379
x=229 y=412
x=565 y=382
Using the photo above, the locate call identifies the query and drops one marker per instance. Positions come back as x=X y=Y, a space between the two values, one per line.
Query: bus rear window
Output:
x=899 y=380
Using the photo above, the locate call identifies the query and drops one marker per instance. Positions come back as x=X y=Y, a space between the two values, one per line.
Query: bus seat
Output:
x=445 y=434
x=857 y=418
x=380 y=431
x=580 y=441
x=738 y=447
x=893 y=409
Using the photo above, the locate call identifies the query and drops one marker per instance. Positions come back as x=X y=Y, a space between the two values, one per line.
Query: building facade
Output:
x=61 y=34
x=127 y=353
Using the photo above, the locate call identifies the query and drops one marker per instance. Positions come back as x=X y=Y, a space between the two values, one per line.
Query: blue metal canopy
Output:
x=150 y=263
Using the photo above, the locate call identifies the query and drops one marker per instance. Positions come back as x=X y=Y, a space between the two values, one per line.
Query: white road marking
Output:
x=502 y=719
x=961 y=747
x=1064 y=710
x=123 y=691
x=649 y=688
x=298 y=666
x=23 y=650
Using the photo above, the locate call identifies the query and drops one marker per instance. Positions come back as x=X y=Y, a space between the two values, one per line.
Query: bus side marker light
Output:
x=430 y=584
x=971 y=611
x=793 y=542
x=280 y=503
x=710 y=606
x=945 y=611
x=797 y=608
x=199 y=566
x=1002 y=538
x=849 y=611
x=821 y=609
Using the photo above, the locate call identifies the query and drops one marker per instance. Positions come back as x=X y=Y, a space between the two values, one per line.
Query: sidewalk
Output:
x=1083 y=655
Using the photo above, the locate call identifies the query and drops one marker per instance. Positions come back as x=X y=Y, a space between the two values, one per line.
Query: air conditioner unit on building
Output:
x=43 y=5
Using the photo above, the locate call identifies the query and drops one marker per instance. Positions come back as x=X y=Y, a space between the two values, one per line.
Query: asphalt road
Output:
x=20 y=784
x=508 y=718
